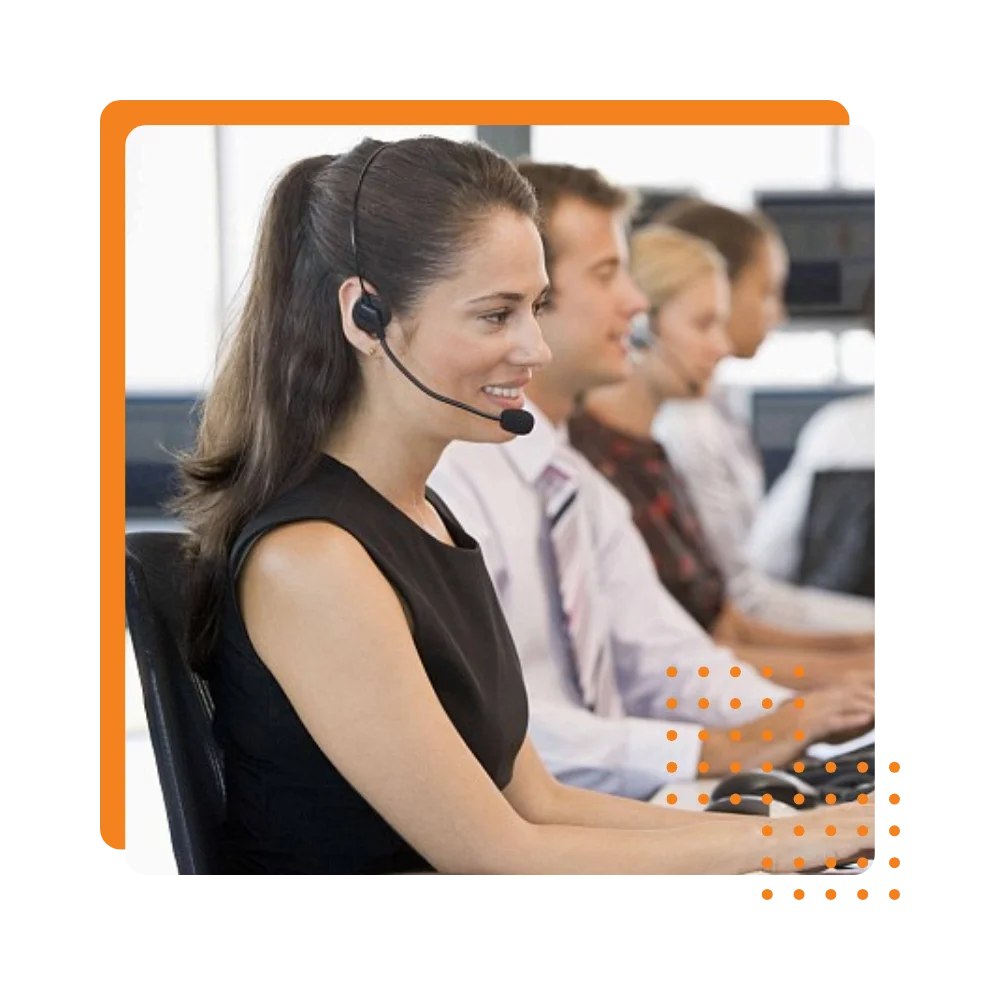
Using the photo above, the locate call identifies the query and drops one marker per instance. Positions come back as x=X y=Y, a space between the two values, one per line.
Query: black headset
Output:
x=370 y=313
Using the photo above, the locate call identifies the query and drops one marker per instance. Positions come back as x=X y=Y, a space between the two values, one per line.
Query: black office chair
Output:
x=838 y=551
x=178 y=705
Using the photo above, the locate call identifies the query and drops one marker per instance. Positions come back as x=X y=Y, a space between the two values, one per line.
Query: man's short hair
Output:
x=554 y=182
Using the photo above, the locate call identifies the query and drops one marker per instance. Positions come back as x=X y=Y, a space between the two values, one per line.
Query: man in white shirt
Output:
x=626 y=691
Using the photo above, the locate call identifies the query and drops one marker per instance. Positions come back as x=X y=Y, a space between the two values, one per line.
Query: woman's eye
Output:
x=539 y=307
x=497 y=318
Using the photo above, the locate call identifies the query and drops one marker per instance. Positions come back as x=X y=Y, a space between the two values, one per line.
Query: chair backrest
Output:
x=838 y=551
x=178 y=704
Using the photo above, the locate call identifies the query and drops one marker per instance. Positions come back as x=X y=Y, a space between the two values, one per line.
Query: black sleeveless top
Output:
x=288 y=809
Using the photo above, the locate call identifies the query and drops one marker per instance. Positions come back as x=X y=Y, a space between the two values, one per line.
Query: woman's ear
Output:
x=348 y=295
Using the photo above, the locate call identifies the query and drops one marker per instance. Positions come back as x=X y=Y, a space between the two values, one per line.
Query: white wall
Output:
x=171 y=257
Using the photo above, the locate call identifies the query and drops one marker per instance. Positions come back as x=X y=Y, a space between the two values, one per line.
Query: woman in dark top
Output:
x=368 y=695
x=685 y=280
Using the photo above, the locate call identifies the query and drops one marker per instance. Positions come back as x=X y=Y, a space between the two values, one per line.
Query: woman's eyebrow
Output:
x=509 y=296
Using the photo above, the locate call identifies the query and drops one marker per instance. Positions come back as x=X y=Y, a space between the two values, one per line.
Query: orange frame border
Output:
x=120 y=118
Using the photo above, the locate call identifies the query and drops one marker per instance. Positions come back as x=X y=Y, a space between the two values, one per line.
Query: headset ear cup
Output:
x=371 y=315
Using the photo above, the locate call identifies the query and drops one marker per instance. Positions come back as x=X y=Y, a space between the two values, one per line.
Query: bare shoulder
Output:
x=298 y=572
x=305 y=549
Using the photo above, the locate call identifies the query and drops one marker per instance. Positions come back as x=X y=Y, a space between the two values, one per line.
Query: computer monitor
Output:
x=156 y=428
x=830 y=236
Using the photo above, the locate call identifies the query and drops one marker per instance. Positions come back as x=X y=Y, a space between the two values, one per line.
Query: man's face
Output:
x=593 y=302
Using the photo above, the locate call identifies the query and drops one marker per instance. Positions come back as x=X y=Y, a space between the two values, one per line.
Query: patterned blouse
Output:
x=662 y=510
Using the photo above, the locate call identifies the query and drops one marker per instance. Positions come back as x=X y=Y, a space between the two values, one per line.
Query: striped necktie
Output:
x=585 y=626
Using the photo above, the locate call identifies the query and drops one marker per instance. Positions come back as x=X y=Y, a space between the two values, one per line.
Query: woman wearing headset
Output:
x=369 y=698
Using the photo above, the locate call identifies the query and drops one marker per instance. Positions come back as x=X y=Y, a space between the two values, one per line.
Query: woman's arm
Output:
x=806 y=670
x=331 y=630
x=734 y=627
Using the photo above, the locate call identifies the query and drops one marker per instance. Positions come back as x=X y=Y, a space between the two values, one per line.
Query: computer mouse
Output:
x=780 y=786
x=752 y=805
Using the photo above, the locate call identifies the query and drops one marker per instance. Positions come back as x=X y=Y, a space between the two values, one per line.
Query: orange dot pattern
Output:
x=672 y=734
x=735 y=672
x=735 y=767
x=735 y=736
x=703 y=734
x=671 y=671
x=798 y=798
x=766 y=703
x=703 y=767
x=798 y=735
x=799 y=671
x=767 y=735
x=863 y=799
x=799 y=703
x=766 y=672
x=672 y=766
x=703 y=671
x=671 y=703
x=831 y=799
x=703 y=703
x=767 y=798
x=735 y=703
x=703 y=799
x=767 y=766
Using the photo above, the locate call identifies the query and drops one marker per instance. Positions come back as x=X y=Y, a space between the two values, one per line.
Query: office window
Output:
x=171 y=257
x=723 y=163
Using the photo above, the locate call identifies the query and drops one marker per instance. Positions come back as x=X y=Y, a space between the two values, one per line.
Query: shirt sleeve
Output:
x=627 y=756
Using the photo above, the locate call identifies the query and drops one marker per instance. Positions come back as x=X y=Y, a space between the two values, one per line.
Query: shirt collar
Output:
x=531 y=454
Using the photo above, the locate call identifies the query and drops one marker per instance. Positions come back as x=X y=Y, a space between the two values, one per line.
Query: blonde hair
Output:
x=665 y=261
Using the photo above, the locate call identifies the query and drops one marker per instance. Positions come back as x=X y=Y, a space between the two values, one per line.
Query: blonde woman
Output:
x=685 y=337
